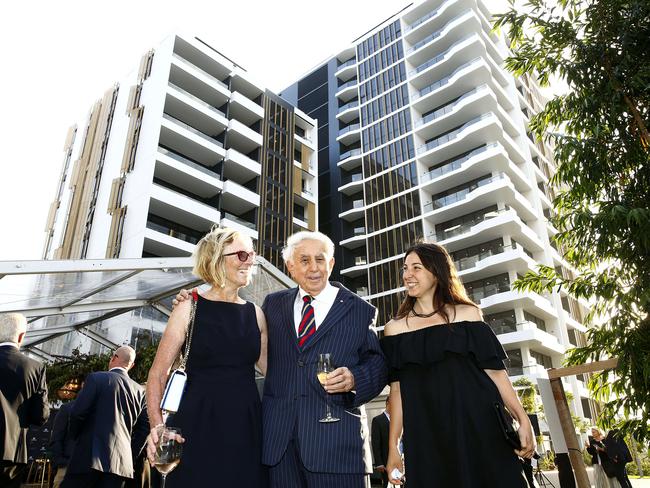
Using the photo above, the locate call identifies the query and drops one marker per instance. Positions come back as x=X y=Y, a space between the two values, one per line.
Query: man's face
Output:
x=309 y=266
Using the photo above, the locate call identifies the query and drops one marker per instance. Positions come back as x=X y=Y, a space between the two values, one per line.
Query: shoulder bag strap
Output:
x=189 y=331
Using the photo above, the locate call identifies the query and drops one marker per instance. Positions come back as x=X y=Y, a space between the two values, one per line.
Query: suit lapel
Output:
x=286 y=316
x=339 y=309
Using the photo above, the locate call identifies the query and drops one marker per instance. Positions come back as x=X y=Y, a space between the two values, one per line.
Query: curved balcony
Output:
x=348 y=112
x=347 y=91
x=460 y=52
x=493 y=226
x=350 y=159
x=347 y=70
x=466 y=21
x=349 y=134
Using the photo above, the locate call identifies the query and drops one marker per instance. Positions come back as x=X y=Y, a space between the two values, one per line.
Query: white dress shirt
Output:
x=322 y=303
x=120 y=368
x=13 y=344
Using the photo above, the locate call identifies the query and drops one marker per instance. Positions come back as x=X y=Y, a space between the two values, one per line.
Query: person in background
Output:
x=107 y=414
x=61 y=442
x=619 y=453
x=23 y=398
x=380 y=426
x=599 y=458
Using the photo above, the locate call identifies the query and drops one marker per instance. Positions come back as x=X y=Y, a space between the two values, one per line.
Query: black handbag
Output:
x=507 y=425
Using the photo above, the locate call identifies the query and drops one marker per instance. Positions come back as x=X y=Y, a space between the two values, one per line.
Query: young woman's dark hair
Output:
x=449 y=289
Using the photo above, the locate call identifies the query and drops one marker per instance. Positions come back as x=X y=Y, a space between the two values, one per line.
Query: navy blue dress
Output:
x=220 y=414
x=452 y=437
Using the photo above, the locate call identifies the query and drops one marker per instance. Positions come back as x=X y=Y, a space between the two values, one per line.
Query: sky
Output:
x=60 y=57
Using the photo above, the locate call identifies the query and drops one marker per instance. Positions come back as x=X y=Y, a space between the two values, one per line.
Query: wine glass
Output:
x=325 y=367
x=168 y=451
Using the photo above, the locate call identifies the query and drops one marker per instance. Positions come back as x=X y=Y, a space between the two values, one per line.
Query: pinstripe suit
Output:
x=294 y=400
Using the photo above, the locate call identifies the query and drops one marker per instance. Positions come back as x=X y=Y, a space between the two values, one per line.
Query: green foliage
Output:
x=547 y=461
x=599 y=131
x=527 y=394
x=78 y=366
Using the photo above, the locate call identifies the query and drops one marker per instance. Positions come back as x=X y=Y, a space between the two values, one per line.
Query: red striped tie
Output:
x=307 y=323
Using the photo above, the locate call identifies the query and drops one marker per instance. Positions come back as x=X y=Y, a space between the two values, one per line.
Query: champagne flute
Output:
x=325 y=367
x=168 y=451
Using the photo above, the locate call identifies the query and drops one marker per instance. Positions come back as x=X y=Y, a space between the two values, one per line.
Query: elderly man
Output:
x=107 y=416
x=23 y=398
x=317 y=317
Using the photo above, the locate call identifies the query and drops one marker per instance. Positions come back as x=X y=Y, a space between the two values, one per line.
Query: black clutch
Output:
x=507 y=425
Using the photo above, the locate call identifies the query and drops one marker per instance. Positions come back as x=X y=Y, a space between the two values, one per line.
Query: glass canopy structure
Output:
x=92 y=305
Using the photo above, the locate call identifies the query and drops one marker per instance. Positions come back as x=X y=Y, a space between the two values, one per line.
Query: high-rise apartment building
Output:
x=188 y=140
x=423 y=134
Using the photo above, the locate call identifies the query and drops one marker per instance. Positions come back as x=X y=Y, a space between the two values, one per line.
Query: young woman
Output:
x=446 y=375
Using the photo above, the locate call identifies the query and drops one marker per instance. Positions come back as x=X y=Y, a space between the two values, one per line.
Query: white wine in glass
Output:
x=324 y=368
x=168 y=451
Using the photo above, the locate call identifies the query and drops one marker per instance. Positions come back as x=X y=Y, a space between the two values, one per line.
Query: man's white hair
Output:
x=295 y=239
x=11 y=326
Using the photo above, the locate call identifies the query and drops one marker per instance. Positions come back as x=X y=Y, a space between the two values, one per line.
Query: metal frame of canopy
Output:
x=59 y=297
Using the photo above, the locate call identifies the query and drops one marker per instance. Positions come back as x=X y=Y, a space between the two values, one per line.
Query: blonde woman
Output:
x=596 y=448
x=220 y=413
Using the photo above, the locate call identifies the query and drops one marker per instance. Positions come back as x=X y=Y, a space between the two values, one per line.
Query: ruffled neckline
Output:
x=427 y=345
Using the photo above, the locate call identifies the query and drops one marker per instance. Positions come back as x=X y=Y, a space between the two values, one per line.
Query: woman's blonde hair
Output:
x=208 y=255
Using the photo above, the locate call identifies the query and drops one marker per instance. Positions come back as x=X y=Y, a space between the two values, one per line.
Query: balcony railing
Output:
x=349 y=62
x=193 y=130
x=349 y=154
x=451 y=135
x=421 y=20
x=470 y=261
x=346 y=85
x=360 y=261
x=172 y=232
x=240 y=221
x=358 y=231
x=435 y=35
x=450 y=107
x=467 y=226
x=477 y=294
x=439 y=57
x=187 y=162
x=461 y=194
x=348 y=106
x=456 y=163
x=219 y=82
x=362 y=291
x=196 y=99
x=434 y=86
x=349 y=128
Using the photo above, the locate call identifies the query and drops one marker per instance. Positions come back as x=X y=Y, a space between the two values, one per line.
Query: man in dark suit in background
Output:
x=379 y=437
x=23 y=398
x=619 y=454
x=61 y=442
x=108 y=413
x=318 y=317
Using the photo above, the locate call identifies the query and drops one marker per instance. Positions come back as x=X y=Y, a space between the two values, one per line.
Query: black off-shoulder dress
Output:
x=451 y=433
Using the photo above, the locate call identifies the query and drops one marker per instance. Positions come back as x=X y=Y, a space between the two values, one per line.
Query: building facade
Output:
x=423 y=135
x=188 y=140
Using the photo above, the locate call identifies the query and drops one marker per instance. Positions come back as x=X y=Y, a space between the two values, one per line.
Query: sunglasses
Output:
x=242 y=255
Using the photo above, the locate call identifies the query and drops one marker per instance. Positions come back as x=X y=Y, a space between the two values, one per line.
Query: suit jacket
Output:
x=294 y=400
x=379 y=436
x=61 y=443
x=105 y=415
x=23 y=401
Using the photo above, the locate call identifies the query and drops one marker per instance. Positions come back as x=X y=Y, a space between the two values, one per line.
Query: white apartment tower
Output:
x=423 y=134
x=188 y=140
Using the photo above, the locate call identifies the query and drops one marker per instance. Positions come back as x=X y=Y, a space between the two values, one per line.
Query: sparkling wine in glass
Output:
x=168 y=451
x=325 y=367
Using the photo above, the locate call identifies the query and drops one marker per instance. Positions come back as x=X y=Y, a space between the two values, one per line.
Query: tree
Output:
x=599 y=134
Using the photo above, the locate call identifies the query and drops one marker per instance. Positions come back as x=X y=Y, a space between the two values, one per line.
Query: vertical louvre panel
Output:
x=133 y=135
x=115 y=235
